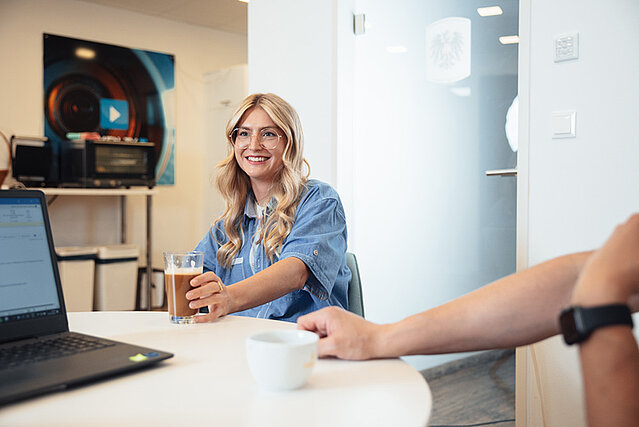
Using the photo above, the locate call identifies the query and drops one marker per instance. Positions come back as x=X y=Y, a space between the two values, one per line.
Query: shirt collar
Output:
x=250 y=207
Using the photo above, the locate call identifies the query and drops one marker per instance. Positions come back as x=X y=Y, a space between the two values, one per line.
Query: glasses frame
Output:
x=256 y=132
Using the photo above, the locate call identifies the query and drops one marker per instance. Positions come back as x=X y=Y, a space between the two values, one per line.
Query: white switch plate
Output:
x=359 y=24
x=563 y=124
x=566 y=47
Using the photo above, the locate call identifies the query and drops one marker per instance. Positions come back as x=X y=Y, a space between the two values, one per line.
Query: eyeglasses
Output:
x=268 y=137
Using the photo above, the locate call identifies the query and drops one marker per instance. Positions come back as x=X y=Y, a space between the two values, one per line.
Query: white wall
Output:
x=579 y=188
x=225 y=89
x=292 y=53
x=181 y=215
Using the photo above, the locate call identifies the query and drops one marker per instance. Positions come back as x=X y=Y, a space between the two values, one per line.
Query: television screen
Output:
x=111 y=90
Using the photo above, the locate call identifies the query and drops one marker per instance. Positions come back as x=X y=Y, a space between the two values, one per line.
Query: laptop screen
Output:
x=27 y=279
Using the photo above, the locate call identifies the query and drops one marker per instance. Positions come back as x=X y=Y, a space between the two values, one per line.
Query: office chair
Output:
x=355 y=300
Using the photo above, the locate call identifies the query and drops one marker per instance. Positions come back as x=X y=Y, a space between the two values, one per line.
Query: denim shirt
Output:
x=318 y=238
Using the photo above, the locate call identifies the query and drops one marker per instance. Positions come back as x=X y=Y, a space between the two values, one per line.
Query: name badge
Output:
x=237 y=261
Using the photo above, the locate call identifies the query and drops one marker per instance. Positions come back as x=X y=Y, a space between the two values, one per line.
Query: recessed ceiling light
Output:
x=461 y=90
x=489 y=11
x=85 y=53
x=396 y=49
x=509 y=39
x=244 y=1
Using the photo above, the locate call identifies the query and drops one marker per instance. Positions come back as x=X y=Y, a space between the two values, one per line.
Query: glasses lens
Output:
x=267 y=138
x=240 y=137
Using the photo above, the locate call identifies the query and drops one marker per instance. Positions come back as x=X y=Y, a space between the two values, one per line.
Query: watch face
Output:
x=568 y=326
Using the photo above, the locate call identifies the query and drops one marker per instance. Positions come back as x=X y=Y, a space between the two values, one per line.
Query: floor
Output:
x=474 y=391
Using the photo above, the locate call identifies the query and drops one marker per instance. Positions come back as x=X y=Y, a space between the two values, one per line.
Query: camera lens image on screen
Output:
x=111 y=90
x=77 y=104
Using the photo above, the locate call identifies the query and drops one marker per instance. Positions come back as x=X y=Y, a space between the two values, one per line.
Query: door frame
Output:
x=524 y=371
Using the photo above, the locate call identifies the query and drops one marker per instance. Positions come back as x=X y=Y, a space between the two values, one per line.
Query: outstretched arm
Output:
x=519 y=309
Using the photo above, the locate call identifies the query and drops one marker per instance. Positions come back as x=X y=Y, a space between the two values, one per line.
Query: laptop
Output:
x=38 y=353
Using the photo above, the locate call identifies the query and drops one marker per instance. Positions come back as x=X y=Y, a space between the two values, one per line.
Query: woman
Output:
x=278 y=249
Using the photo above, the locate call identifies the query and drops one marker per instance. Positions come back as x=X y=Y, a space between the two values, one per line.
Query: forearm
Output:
x=610 y=356
x=609 y=359
x=610 y=366
x=271 y=283
x=516 y=310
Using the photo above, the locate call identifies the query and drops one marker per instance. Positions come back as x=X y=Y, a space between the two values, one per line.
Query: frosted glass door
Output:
x=433 y=87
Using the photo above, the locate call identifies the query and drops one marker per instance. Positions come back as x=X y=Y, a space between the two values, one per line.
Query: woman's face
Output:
x=260 y=163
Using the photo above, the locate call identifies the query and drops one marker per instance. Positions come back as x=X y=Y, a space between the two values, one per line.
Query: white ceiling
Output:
x=225 y=15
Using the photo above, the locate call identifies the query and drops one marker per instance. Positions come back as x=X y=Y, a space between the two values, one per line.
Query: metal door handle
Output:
x=502 y=172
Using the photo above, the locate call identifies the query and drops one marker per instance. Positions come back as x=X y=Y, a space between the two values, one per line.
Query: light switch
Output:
x=566 y=47
x=359 y=24
x=563 y=124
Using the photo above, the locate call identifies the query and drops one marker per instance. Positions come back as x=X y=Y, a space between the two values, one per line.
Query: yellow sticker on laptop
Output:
x=138 y=358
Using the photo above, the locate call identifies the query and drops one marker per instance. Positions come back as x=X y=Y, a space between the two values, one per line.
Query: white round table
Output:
x=208 y=382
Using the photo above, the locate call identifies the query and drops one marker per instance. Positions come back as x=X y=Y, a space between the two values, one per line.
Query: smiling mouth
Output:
x=256 y=158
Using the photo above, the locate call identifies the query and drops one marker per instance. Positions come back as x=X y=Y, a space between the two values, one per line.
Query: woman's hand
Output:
x=209 y=291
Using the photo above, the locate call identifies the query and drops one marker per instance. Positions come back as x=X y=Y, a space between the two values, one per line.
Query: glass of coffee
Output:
x=179 y=269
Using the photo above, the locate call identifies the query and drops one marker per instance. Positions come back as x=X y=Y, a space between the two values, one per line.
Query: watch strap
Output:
x=577 y=323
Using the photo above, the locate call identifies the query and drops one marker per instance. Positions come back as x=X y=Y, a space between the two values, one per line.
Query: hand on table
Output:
x=342 y=334
x=209 y=291
x=611 y=275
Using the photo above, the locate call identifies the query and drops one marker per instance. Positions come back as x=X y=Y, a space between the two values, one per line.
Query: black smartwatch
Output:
x=577 y=323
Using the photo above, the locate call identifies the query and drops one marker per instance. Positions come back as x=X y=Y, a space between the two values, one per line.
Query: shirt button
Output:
x=315 y=252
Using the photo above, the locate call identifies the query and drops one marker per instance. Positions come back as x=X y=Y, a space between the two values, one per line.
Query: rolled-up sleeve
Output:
x=318 y=238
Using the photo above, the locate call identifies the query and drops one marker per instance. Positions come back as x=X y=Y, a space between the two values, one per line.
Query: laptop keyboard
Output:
x=49 y=348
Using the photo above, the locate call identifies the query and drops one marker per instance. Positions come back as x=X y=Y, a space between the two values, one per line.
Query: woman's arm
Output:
x=277 y=280
x=519 y=309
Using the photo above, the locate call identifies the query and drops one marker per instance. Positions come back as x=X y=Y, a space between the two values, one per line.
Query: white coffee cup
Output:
x=282 y=359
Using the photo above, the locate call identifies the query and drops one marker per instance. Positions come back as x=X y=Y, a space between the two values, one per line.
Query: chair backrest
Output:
x=355 y=300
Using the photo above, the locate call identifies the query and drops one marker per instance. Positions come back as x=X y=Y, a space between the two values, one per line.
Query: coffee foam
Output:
x=182 y=270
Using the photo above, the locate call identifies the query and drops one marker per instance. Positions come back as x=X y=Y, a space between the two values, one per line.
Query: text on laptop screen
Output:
x=27 y=282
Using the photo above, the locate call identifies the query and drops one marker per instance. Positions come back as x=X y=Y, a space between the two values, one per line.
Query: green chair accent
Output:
x=355 y=300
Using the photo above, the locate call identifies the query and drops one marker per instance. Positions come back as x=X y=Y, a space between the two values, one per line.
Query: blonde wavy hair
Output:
x=235 y=186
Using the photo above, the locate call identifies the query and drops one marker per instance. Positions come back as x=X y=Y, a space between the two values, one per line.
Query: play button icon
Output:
x=114 y=114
